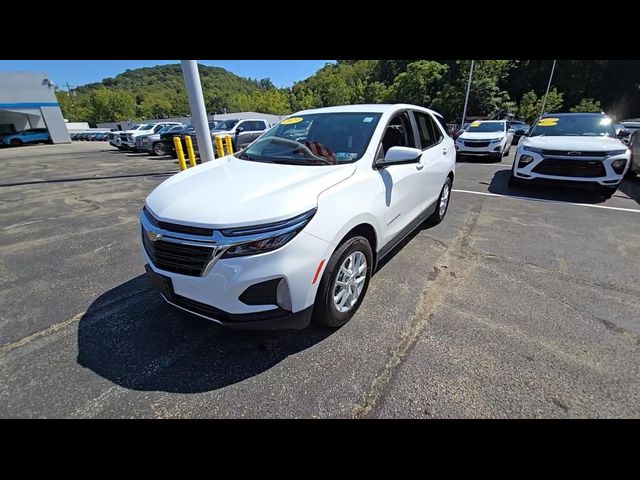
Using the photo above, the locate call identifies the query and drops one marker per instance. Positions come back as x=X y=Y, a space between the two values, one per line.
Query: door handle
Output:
x=419 y=166
x=444 y=150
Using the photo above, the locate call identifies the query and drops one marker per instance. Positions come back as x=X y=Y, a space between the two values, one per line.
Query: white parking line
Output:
x=547 y=201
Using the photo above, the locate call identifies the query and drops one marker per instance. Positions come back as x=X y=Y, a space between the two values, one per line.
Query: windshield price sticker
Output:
x=475 y=124
x=292 y=120
x=548 y=122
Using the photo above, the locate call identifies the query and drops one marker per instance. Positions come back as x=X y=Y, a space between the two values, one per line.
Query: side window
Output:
x=261 y=125
x=398 y=134
x=429 y=132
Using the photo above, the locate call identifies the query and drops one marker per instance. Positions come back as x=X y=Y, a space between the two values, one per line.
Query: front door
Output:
x=403 y=183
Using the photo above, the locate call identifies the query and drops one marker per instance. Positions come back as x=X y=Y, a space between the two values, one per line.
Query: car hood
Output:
x=230 y=192
x=481 y=135
x=577 y=143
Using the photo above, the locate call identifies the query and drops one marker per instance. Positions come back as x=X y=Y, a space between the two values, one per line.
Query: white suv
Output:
x=572 y=148
x=488 y=138
x=292 y=227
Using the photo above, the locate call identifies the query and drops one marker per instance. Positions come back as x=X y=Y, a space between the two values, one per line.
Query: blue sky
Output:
x=79 y=72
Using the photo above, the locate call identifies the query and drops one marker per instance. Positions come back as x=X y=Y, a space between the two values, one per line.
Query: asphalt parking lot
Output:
x=522 y=303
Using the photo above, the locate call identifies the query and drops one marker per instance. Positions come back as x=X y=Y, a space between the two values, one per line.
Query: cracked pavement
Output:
x=510 y=308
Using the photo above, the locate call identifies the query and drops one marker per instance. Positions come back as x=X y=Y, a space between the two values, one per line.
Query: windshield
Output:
x=226 y=125
x=482 y=127
x=589 y=126
x=166 y=129
x=316 y=139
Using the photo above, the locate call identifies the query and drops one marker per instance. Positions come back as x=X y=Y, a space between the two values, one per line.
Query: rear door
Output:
x=436 y=155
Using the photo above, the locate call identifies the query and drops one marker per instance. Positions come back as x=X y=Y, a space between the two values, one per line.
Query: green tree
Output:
x=112 y=106
x=587 y=105
x=531 y=105
x=420 y=83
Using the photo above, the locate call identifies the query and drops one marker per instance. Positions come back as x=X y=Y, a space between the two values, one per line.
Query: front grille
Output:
x=177 y=258
x=570 y=168
x=172 y=227
x=574 y=153
x=476 y=144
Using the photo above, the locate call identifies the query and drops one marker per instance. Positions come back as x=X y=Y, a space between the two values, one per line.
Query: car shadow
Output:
x=132 y=338
x=631 y=188
x=500 y=185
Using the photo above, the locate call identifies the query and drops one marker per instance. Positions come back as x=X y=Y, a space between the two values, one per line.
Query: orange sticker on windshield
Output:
x=548 y=122
x=292 y=120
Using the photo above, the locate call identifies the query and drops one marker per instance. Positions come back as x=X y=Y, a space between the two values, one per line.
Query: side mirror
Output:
x=511 y=130
x=623 y=133
x=399 y=156
x=239 y=130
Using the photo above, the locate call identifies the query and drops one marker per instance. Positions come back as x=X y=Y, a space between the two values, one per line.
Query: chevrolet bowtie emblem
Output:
x=153 y=236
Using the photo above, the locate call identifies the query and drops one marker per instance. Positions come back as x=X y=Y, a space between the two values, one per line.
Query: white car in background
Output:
x=487 y=138
x=291 y=228
x=572 y=148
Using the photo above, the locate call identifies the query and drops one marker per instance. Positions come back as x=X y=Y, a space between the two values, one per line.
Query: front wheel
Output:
x=344 y=283
x=15 y=142
x=158 y=149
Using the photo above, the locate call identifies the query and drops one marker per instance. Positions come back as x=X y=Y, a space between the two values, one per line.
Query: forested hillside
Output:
x=519 y=85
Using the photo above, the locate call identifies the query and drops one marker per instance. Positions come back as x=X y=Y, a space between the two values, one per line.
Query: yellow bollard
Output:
x=227 y=139
x=219 y=147
x=192 y=155
x=178 y=145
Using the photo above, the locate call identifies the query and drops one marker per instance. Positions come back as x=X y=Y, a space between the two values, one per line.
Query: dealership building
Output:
x=28 y=100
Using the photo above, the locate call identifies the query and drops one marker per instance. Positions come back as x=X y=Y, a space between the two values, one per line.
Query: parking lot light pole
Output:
x=198 y=110
x=466 y=98
x=544 y=102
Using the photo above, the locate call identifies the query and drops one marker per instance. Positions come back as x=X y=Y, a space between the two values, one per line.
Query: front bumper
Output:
x=609 y=178
x=495 y=148
x=216 y=295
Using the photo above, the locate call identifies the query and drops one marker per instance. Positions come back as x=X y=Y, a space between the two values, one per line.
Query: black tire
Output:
x=497 y=158
x=630 y=174
x=324 y=310
x=506 y=152
x=158 y=149
x=16 y=142
x=436 y=217
x=122 y=148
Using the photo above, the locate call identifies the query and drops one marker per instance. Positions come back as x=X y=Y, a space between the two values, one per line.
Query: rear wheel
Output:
x=344 y=283
x=442 y=204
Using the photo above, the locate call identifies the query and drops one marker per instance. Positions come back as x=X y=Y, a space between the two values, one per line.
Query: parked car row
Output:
x=89 y=136
x=26 y=137
x=157 y=138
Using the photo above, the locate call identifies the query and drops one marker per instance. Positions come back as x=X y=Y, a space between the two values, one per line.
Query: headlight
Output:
x=499 y=139
x=531 y=149
x=618 y=152
x=264 y=238
x=618 y=165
